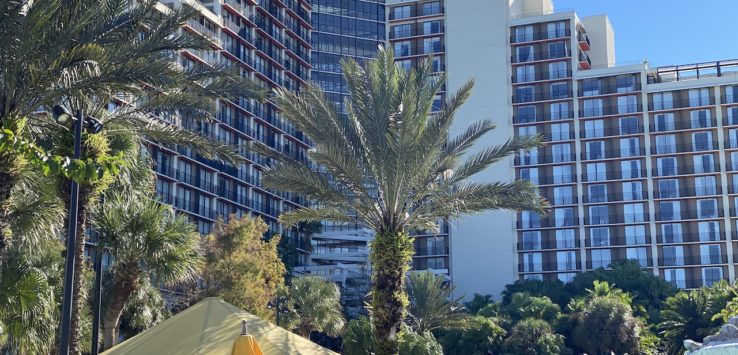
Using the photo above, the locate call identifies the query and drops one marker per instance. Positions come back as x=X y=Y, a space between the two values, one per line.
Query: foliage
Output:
x=241 y=267
x=605 y=325
x=689 y=315
x=731 y=307
x=523 y=306
x=358 y=338
x=534 y=336
x=556 y=291
x=388 y=168
x=314 y=305
x=412 y=343
x=144 y=309
x=482 y=336
x=431 y=303
x=478 y=302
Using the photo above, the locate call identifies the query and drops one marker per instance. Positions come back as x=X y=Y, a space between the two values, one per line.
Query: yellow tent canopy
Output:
x=210 y=327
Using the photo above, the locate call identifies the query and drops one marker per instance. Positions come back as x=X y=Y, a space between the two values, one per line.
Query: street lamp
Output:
x=278 y=303
x=62 y=115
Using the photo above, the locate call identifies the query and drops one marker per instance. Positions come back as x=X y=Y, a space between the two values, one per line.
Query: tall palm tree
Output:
x=392 y=165
x=314 y=304
x=87 y=54
x=432 y=305
x=689 y=315
x=146 y=239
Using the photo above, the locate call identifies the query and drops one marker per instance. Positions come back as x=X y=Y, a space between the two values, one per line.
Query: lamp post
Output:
x=99 y=253
x=62 y=116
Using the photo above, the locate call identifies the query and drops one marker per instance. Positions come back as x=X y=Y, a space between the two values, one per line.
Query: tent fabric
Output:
x=210 y=327
x=246 y=345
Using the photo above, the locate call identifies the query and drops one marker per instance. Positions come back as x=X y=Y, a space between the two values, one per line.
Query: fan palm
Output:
x=87 y=54
x=432 y=305
x=392 y=165
x=146 y=239
x=314 y=304
x=688 y=315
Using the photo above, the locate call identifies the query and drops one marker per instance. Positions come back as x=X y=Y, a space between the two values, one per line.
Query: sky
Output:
x=667 y=32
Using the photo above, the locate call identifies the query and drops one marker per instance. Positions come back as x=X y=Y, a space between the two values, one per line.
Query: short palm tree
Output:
x=146 y=239
x=314 y=304
x=432 y=305
x=390 y=164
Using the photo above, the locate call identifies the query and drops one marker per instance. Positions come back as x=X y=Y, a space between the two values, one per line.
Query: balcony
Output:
x=688 y=192
x=550 y=222
x=681 y=103
x=543 y=117
x=618 y=174
x=688 y=215
x=541 y=76
x=692 y=260
x=210 y=34
x=538 y=56
x=520 y=97
x=615 y=197
x=547 y=245
x=684 y=148
x=517 y=38
x=548 y=266
x=691 y=238
x=614 y=153
x=416 y=31
x=599 y=90
x=544 y=159
x=619 y=240
x=611 y=110
x=685 y=169
x=553 y=179
x=584 y=61
x=583 y=40
x=617 y=219
x=611 y=131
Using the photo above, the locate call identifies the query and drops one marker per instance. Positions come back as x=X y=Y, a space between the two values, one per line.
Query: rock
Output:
x=692 y=345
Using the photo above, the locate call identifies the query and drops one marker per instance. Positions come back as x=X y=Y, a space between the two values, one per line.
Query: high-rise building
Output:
x=269 y=42
x=638 y=162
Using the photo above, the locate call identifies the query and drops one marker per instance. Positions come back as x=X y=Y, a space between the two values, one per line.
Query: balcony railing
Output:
x=538 y=36
x=681 y=103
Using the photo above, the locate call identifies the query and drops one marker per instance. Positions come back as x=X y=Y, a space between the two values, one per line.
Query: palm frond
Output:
x=292 y=218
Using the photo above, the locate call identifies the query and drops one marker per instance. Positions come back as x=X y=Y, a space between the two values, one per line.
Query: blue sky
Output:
x=667 y=31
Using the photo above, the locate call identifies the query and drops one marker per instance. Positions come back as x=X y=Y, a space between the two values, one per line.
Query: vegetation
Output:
x=431 y=305
x=241 y=267
x=314 y=305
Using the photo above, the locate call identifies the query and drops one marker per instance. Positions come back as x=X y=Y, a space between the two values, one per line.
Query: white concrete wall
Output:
x=602 y=36
x=482 y=246
x=530 y=7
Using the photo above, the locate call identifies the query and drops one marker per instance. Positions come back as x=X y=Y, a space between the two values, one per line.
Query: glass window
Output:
x=663 y=101
x=524 y=94
x=558 y=70
x=710 y=254
x=638 y=254
x=532 y=240
x=600 y=237
x=594 y=128
x=669 y=211
x=666 y=166
x=560 y=132
x=564 y=216
x=709 y=231
x=592 y=107
x=560 y=110
x=562 y=174
x=431 y=8
x=629 y=125
x=590 y=87
x=524 y=33
x=630 y=169
x=702 y=141
x=566 y=277
x=402 y=48
x=530 y=219
x=526 y=114
x=705 y=185
x=671 y=232
x=676 y=277
x=530 y=174
x=601 y=258
x=565 y=239
x=711 y=275
x=699 y=97
x=635 y=235
x=400 y=31
x=627 y=104
x=597 y=193
x=626 y=83
x=432 y=45
x=595 y=150
x=666 y=144
x=599 y=215
x=401 y=12
x=557 y=50
x=566 y=260
x=526 y=73
x=596 y=172
x=563 y=195
x=664 y=122
x=431 y=27
x=556 y=29
x=559 y=90
x=561 y=152
x=668 y=188
x=633 y=212
x=700 y=118
x=632 y=190
x=673 y=255
x=707 y=208
x=630 y=147
x=524 y=53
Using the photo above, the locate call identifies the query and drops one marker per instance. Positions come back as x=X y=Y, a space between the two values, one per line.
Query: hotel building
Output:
x=638 y=162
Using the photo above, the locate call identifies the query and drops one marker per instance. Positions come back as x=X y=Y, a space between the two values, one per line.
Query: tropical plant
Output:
x=241 y=267
x=391 y=166
x=482 y=336
x=431 y=303
x=523 y=306
x=606 y=325
x=146 y=239
x=358 y=337
x=534 y=336
x=412 y=343
x=478 y=302
x=555 y=290
x=314 y=305
x=144 y=309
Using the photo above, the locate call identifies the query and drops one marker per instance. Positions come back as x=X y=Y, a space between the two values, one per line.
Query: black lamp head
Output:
x=93 y=125
x=61 y=114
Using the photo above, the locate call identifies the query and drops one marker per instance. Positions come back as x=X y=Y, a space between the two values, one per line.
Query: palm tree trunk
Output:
x=391 y=254
x=79 y=292
x=123 y=286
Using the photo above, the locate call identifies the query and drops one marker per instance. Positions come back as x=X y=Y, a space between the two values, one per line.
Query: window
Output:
x=431 y=8
x=629 y=125
x=664 y=122
x=566 y=277
x=733 y=114
x=671 y=233
x=526 y=73
x=437 y=64
x=526 y=114
x=530 y=219
x=601 y=258
x=402 y=48
x=676 y=277
x=703 y=163
x=405 y=64
x=625 y=83
x=666 y=166
x=560 y=132
x=565 y=239
x=666 y=144
x=702 y=141
x=524 y=33
x=564 y=216
x=532 y=262
x=563 y=195
x=705 y=185
x=635 y=235
x=709 y=231
x=556 y=29
x=673 y=255
x=669 y=211
x=595 y=150
x=596 y=172
x=597 y=193
x=668 y=188
x=566 y=260
x=732 y=138
x=627 y=104
x=638 y=254
x=632 y=190
x=527 y=131
x=561 y=153
x=400 y=31
x=633 y=212
x=630 y=147
x=524 y=53
x=431 y=27
x=559 y=90
x=528 y=157
x=599 y=215
x=711 y=275
x=558 y=70
x=557 y=50
x=538 y=277
x=594 y=128
x=707 y=208
x=710 y=254
x=590 y=87
x=524 y=94
x=562 y=174
x=663 y=101
x=530 y=174
x=401 y=12
x=560 y=110
x=630 y=169
x=600 y=237
x=592 y=107
x=700 y=118
x=532 y=240
x=699 y=97
x=432 y=45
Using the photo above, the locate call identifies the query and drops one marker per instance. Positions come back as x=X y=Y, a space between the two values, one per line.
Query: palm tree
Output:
x=431 y=303
x=314 y=304
x=146 y=239
x=87 y=54
x=391 y=165
x=689 y=315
